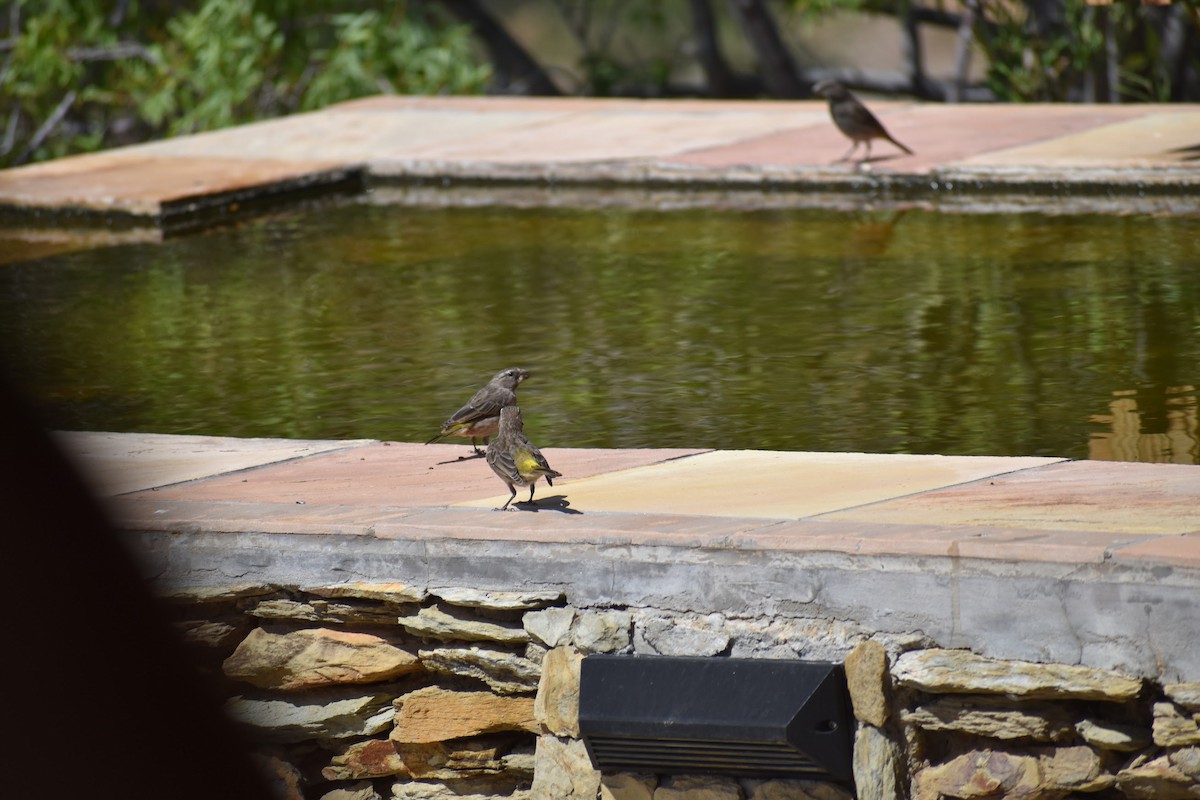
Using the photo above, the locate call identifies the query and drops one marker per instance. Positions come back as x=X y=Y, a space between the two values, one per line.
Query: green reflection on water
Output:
x=786 y=329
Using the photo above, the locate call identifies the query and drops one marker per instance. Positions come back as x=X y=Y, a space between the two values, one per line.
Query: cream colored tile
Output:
x=1153 y=139
x=767 y=484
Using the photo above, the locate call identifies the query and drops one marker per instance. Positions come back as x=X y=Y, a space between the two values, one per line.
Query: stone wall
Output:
x=356 y=691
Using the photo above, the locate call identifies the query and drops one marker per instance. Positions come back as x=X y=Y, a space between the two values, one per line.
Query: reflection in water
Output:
x=783 y=329
x=1135 y=435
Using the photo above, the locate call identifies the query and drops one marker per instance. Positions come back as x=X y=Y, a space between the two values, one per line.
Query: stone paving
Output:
x=1082 y=562
x=1077 y=154
x=1014 y=509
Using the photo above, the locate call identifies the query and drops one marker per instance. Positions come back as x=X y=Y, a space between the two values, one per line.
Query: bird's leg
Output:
x=513 y=494
x=531 y=487
x=475 y=445
x=848 y=153
x=867 y=157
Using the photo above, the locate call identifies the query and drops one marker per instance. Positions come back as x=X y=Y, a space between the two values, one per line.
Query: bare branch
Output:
x=114 y=52
x=47 y=127
x=10 y=132
x=516 y=70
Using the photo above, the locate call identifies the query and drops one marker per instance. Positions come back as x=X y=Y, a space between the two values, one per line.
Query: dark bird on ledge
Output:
x=854 y=119
x=480 y=417
x=515 y=459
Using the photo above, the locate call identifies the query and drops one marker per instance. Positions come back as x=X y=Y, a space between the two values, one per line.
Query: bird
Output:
x=854 y=119
x=480 y=417
x=515 y=459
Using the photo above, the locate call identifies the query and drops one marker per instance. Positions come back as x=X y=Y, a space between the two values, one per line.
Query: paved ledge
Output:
x=1114 y=158
x=1039 y=558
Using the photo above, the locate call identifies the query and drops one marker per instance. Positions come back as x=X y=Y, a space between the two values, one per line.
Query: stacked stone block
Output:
x=371 y=692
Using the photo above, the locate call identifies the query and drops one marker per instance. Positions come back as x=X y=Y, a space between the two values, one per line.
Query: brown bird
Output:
x=480 y=417
x=515 y=459
x=854 y=119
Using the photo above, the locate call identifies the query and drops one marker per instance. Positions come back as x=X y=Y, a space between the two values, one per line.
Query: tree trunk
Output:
x=779 y=71
x=516 y=71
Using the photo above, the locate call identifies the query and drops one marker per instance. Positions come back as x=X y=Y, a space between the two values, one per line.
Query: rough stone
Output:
x=994 y=719
x=867 y=679
x=982 y=773
x=450 y=760
x=283 y=776
x=627 y=786
x=398 y=593
x=698 y=787
x=202 y=595
x=499 y=601
x=876 y=765
x=601 y=631
x=315 y=715
x=477 y=789
x=214 y=635
x=453 y=624
x=374 y=758
x=787 y=637
x=1186 y=760
x=434 y=714
x=1184 y=694
x=504 y=673
x=962 y=672
x=316 y=657
x=1157 y=780
x=1076 y=769
x=680 y=635
x=550 y=626
x=1111 y=736
x=556 y=706
x=520 y=762
x=325 y=612
x=780 y=789
x=563 y=771
x=1173 y=728
x=364 y=790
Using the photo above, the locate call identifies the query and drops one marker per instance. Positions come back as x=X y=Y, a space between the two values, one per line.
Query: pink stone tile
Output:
x=149 y=513
x=1100 y=496
x=1175 y=551
x=1002 y=544
x=396 y=475
x=556 y=521
x=123 y=180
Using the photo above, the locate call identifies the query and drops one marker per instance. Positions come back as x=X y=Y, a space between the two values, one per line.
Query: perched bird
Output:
x=514 y=458
x=480 y=417
x=853 y=118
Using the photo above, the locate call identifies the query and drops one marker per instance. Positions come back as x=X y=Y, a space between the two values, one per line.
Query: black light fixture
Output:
x=733 y=716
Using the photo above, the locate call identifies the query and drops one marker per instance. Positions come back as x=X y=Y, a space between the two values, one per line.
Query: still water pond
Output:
x=891 y=332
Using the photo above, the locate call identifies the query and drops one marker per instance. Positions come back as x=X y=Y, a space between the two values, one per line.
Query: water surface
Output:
x=888 y=331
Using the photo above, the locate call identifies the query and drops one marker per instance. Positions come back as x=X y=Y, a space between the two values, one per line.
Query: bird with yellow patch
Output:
x=515 y=459
x=480 y=417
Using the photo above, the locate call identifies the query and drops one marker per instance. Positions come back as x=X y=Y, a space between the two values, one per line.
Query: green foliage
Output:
x=77 y=77
x=1028 y=62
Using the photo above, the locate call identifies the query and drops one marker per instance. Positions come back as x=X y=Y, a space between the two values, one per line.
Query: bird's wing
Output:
x=487 y=402
x=502 y=463
x=530 y=461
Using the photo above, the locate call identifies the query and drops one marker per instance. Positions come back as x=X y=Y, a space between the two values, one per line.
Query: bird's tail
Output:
x=434 y=439
x=902 y=147
x=549 y=473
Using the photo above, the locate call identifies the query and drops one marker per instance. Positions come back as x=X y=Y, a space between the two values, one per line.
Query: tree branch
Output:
x=47 y=128
x=779 y=71
x=516 y=71
x=721 y=79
